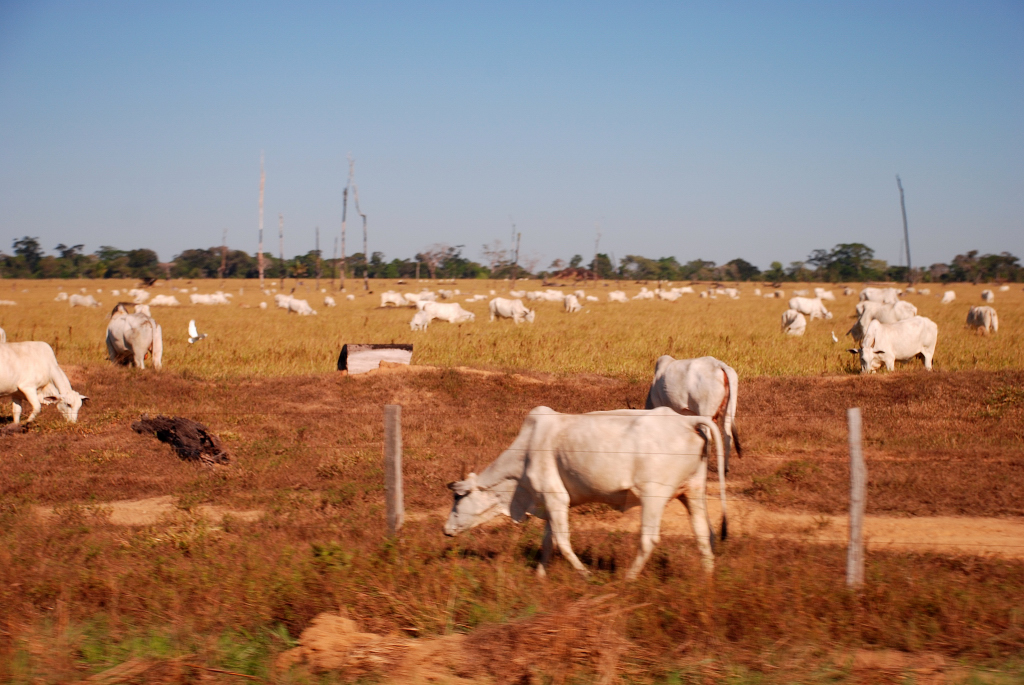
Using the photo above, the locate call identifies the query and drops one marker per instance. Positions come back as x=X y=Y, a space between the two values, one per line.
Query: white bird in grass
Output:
x=834 y=338
x=193 y=334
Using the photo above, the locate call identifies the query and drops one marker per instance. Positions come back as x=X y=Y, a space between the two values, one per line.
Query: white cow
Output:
x=801 y=293
x=669 y=295
x=849 y=291
x=511 y=309
x=983 y=318
x=988 y=296
x=733 y=293
x=924 y=291
x=130 y=337
x=593 y=298
x=885 y=295
x=645 y=294
x=28 y=367
x=450 y=312
x=571 y=304
x=83 y=301
x=61 y=297
x=948 y=297
x=622 y=458
x=580 y=295
x=300 y=307
x=3 y=336
x=391 y=298
x=139 y=295
x=685 y=290
x=793 y=322
x=211 y=298
x=704 y=386
x=885 y=343
x=420 y=321
x=552 y=296
x=143 y=309
x=517 y=293
x=868 y=311
x=329 y=302
x=164 y=301
x=448 y=294
x=823 y=294
x=1004 y=288
x=350 y=298
x=617 y=296
x=811 y=307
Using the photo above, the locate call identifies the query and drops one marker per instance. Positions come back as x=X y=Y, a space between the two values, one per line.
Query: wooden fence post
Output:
x=393 y=466
x=858 y=497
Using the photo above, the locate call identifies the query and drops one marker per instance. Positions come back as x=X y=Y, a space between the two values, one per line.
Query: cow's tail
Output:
x=711 y=433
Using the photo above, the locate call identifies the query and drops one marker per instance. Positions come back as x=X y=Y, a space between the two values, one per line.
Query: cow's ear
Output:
x=853 y=350
x=84 y=398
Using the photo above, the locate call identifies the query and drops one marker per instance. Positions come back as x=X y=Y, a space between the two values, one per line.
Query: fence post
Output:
x=393 y=466
x=858 y=497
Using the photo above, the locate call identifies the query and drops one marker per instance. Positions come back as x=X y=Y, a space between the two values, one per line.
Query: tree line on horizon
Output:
x=846 y=262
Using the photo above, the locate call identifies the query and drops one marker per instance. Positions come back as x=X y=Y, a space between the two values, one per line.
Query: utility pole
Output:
x=366 y=255
x=318 y=259
x=906 y=233
x=280 y=234
x=334 y=262
x=259 y=256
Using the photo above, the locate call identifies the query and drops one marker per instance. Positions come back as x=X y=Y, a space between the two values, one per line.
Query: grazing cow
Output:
x=420 y=321
x=164 y=301
x=884 y=295
x=1004 y=288
x=571 y=304
x=139 y=295
x=868 y=311
x=733 y=293
x=350 y=297
x=212 y=298
x=669 y=295
x=847 y=291
x=451 y=312
x=704 y=386
x=511 y=309
x=391 y=298
x=823 y=294
x=811 y=307
x=329 y=302
x=83 y=301
x=3 y=336
x=948 y=297
x=801 y=293
x=988 y=296
x=61 y=297
x=448 y=294
x=580 y=295
x=617 y=296
x=885 y=343
x=27 y=367
x=130 y=337
x=300 y=307
x=263 y=305
x=685 y=290
x=793 y=322
x=143 y=309
x=645 y=294
x=924 y=291
x=622 y=458
x=517 y=294
x=593 y=298
x=757 y=292
x=983 y=318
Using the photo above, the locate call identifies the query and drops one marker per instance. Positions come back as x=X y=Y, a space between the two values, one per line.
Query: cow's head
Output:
x=870 y=358
x=530 y=315
x=473 y=505
x=68 y=405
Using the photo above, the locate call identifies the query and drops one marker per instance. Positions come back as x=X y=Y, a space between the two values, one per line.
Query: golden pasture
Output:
x=610 y=339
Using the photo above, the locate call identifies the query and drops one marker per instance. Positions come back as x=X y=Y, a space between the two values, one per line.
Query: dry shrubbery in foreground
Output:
x=79 y=594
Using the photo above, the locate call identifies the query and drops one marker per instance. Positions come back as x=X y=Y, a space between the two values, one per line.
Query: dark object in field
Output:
x=11 y=429
x=362 y=358
x=190 y=439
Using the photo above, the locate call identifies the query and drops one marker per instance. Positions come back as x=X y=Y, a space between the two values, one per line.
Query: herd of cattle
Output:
x=623 y=457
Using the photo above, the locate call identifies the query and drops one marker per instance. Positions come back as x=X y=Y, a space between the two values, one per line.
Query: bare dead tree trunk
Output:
x=344 y=212
x=223 y=257
x=906 y=233
x=280 y=234
x=318 y=259
x=366 y=254
x=334 y=262
x=259 y=256
x=515 y=261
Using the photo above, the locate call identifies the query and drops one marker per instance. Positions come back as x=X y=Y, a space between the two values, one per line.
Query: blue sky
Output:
x=710 y=130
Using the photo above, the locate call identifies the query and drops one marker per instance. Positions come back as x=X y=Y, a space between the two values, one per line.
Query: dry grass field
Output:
x=114 y=554
x=615 y=340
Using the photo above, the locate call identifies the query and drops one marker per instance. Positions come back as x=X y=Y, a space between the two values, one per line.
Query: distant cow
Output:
x=451 y=312
x=131 y=337
x=622 y=458
x=948 y=297
x=983 y=318
x=329 y=301
x=300 y=307
x=511 y=309
x=884 y=295
x=572 y=305
x=988 y=296
x=164 y=301
x=811 y=307
x=886 y=343
x=617 y=296
x=391 y=298
x=793 y=322
x=420 y=321
x=704 y=386
x=61 y=297
x=823 y=294
x=83 y=301
x=868 y=311
x=29 y=373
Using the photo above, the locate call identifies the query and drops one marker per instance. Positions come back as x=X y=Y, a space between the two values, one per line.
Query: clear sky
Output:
x=712 y=130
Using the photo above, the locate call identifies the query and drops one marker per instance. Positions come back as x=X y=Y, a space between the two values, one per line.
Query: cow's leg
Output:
x=546 y=550
x=928 y=354
x=558 y=519
x=651 y=511
x=698 y=509
x=32 y=397
x=16 y=409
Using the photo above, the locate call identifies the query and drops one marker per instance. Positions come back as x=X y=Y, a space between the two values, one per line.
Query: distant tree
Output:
x=742 y=270
x=602 y=266
x=28 y=250
x=575 y=261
